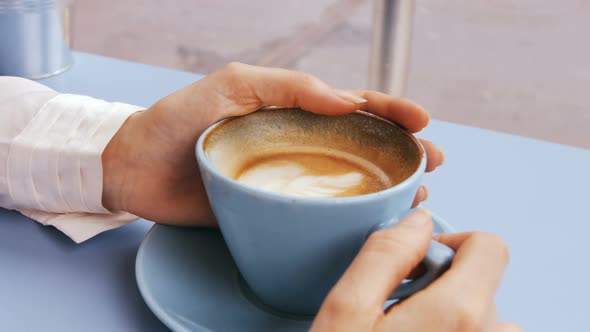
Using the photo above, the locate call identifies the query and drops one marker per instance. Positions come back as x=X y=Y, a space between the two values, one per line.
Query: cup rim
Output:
x=204 y=162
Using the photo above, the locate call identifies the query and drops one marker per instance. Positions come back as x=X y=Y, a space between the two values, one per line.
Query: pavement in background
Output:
x=514 y=66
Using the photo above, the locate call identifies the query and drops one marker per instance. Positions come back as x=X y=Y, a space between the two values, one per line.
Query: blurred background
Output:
x=521 y=67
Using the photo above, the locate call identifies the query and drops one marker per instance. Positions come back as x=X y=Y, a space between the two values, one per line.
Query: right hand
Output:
x=462 y=299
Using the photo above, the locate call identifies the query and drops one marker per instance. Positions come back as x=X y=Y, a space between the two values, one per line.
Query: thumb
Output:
x=259 y=86
x=385 y=260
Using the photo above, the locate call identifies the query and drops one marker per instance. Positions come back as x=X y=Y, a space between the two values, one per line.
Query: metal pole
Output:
x=390 y=49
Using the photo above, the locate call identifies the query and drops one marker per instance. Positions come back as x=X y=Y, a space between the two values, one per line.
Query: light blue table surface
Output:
x=533 y=194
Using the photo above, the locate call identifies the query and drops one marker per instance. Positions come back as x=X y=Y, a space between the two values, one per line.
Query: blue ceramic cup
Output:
x=291 y=249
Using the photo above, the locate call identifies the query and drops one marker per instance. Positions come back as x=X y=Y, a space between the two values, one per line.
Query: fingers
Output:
x=385 y=260
x=435 y=156
x=260 y=86
x=507 y=327
x=465 y=293
x=356 y=301
x=402 y=111
x=462 y=298
x=479 y=263
x=252 y=87
x=495 y=326
x=421 y=196
x=492 y=319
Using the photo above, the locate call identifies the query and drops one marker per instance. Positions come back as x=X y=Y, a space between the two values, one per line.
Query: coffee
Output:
x=312 y=172
x=299 y=153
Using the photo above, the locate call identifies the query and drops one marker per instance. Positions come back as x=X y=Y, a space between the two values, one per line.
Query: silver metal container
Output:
x=35 y=37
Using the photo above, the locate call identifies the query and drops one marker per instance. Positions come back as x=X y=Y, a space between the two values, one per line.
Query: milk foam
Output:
x=289 y=177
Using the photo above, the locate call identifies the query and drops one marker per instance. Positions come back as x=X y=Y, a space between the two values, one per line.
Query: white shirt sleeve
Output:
x=50 y=156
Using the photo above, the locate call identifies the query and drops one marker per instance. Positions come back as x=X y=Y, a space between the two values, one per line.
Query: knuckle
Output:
x=469 y=324
x=457 y=313
x=466 y=317
x=494 y=242
x=388 y=243
x=307 y=79
x=511 y=327
x=340 y=306
x=233 y=69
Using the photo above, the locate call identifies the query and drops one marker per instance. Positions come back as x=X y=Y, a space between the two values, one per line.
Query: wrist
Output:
x=116 y=165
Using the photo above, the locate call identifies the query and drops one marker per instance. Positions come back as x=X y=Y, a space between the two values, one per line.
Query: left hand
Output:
x=150 y=168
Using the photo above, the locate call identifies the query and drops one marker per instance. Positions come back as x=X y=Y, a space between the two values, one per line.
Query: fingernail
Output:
x=349 y=96
x=442 y=156
x=417 y=218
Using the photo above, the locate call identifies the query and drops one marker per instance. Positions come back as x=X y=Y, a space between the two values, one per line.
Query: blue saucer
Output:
x=189 y=280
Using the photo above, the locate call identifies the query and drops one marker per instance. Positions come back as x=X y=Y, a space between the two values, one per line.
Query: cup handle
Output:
x=437 y=260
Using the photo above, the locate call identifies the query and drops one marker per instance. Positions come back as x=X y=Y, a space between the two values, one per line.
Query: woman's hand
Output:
x=150 y=168
x=461 y=300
